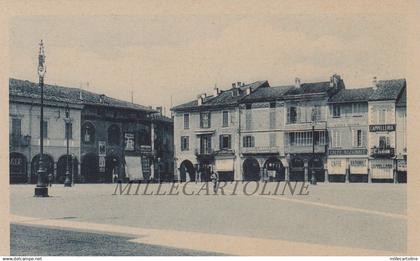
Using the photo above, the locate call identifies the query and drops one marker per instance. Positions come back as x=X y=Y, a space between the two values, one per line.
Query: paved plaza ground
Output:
x=335 y=218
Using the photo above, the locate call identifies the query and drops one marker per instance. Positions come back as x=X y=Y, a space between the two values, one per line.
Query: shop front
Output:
x=382 y=170
x=224 y=168
x=337 y=168
x=402 y=170
x=358 y=169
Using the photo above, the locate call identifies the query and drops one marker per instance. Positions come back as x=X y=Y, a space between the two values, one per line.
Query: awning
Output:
x=133 y=168
x=382 y=169
x=336 y=166
x=359 y=166
x=224 y=164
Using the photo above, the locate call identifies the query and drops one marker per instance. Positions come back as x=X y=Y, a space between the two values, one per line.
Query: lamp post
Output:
x=41 y=189
x=313 y=177
x=67 y=181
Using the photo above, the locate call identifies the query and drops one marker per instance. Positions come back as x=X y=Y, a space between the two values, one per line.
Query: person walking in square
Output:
x=215 y=180
x=50 y=179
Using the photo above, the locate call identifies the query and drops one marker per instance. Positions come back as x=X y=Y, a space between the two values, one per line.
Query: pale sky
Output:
x=181 y=56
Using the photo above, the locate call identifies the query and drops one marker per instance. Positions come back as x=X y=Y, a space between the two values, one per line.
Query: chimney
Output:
x=102 y=98
x=248 y=91
x=80 y=94
x=159 y=109
x=238 y=84
x=200 y=100
x=215 y=91
x=233 y=85
x=334 y=80
x=375 y=83
x=297 y=82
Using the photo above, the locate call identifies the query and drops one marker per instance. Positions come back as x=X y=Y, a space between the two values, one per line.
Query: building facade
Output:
x=206 y=135
x=111 y=139
x=307 y=131
x=24 y=133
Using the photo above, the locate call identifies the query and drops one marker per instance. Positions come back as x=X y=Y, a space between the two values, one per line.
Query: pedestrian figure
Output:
x=215 y=180
x=50 y=179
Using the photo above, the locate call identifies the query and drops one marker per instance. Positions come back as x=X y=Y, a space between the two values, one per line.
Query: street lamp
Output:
x=67 y=120
x=314 y=117
x=41 y=189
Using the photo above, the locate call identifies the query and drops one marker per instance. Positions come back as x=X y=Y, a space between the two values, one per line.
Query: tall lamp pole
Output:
x=313 y=177
x=67 y=181
x=41 y=189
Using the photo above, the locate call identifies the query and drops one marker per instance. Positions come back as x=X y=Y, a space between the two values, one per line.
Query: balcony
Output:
x=204 y=152
x=288 y=148
x=382 y=152
x=301 y=126
x=19 y=140
x=260 y=150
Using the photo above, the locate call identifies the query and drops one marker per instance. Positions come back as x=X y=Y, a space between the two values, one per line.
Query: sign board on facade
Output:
x=101 y=148
x=358 y=166
x=347 y=152
x=382 y=127
x=382 y=169
x=129 y=141
x=145 y=149
x=402 y=165
x=17 y=164
x=337 y=166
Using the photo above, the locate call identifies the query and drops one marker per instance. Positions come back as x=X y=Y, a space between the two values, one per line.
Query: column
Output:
x=369 y=176
x=306 y=174
x=326 y=175
x=152 y=142
x=287 y=173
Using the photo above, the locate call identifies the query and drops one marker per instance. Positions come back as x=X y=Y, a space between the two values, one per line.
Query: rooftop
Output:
x=351 y=95
x=388 y=90
x=56 y=93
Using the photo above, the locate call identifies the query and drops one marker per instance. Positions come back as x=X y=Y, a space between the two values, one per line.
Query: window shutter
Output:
x=354 y=138
x=363 y=138
x=220 y=141
x=288 y=114
x=229 y=141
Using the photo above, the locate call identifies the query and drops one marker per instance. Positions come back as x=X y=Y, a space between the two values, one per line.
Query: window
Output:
x=113 y=135
x=68 y=130
x=382 y=116
x=272 y=118
x=248 y=117
x=248 y=141
x=185 y=143
x=186 y=121
x=205 y=144
x=357 y=109
x=273 y=140
x=336 y=111
x=358 y=138
x=336 y=138
x=316 y=113
x=225 y=116
x=225 y=142
x=205 y=120
x=291 y=114
x=16 y=127
x=45 y=129
x=88 y=132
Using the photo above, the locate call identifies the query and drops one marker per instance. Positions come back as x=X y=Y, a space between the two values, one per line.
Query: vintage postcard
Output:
x=210 y=128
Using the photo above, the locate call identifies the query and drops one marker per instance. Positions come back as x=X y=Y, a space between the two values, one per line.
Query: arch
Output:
x=274 y=166
x=90 y=168
x=114 y=135
x=62 y=167
x=48 y=163
x=112 y=166
x=316 y=167
x=88 y=133
x=17 y=168
x=297 y=169
x=251 y=169
x=187 y=171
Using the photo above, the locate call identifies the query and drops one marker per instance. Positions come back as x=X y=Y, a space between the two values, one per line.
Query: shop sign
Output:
x=145 y=149
x=347 y=152
x=101 y=148
x=382 y=127
x=337 y=166
x=358 y=166
x=382 y=165
x=129 y=141
x=402 y=165
x=101 y=163
x=17 y=164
